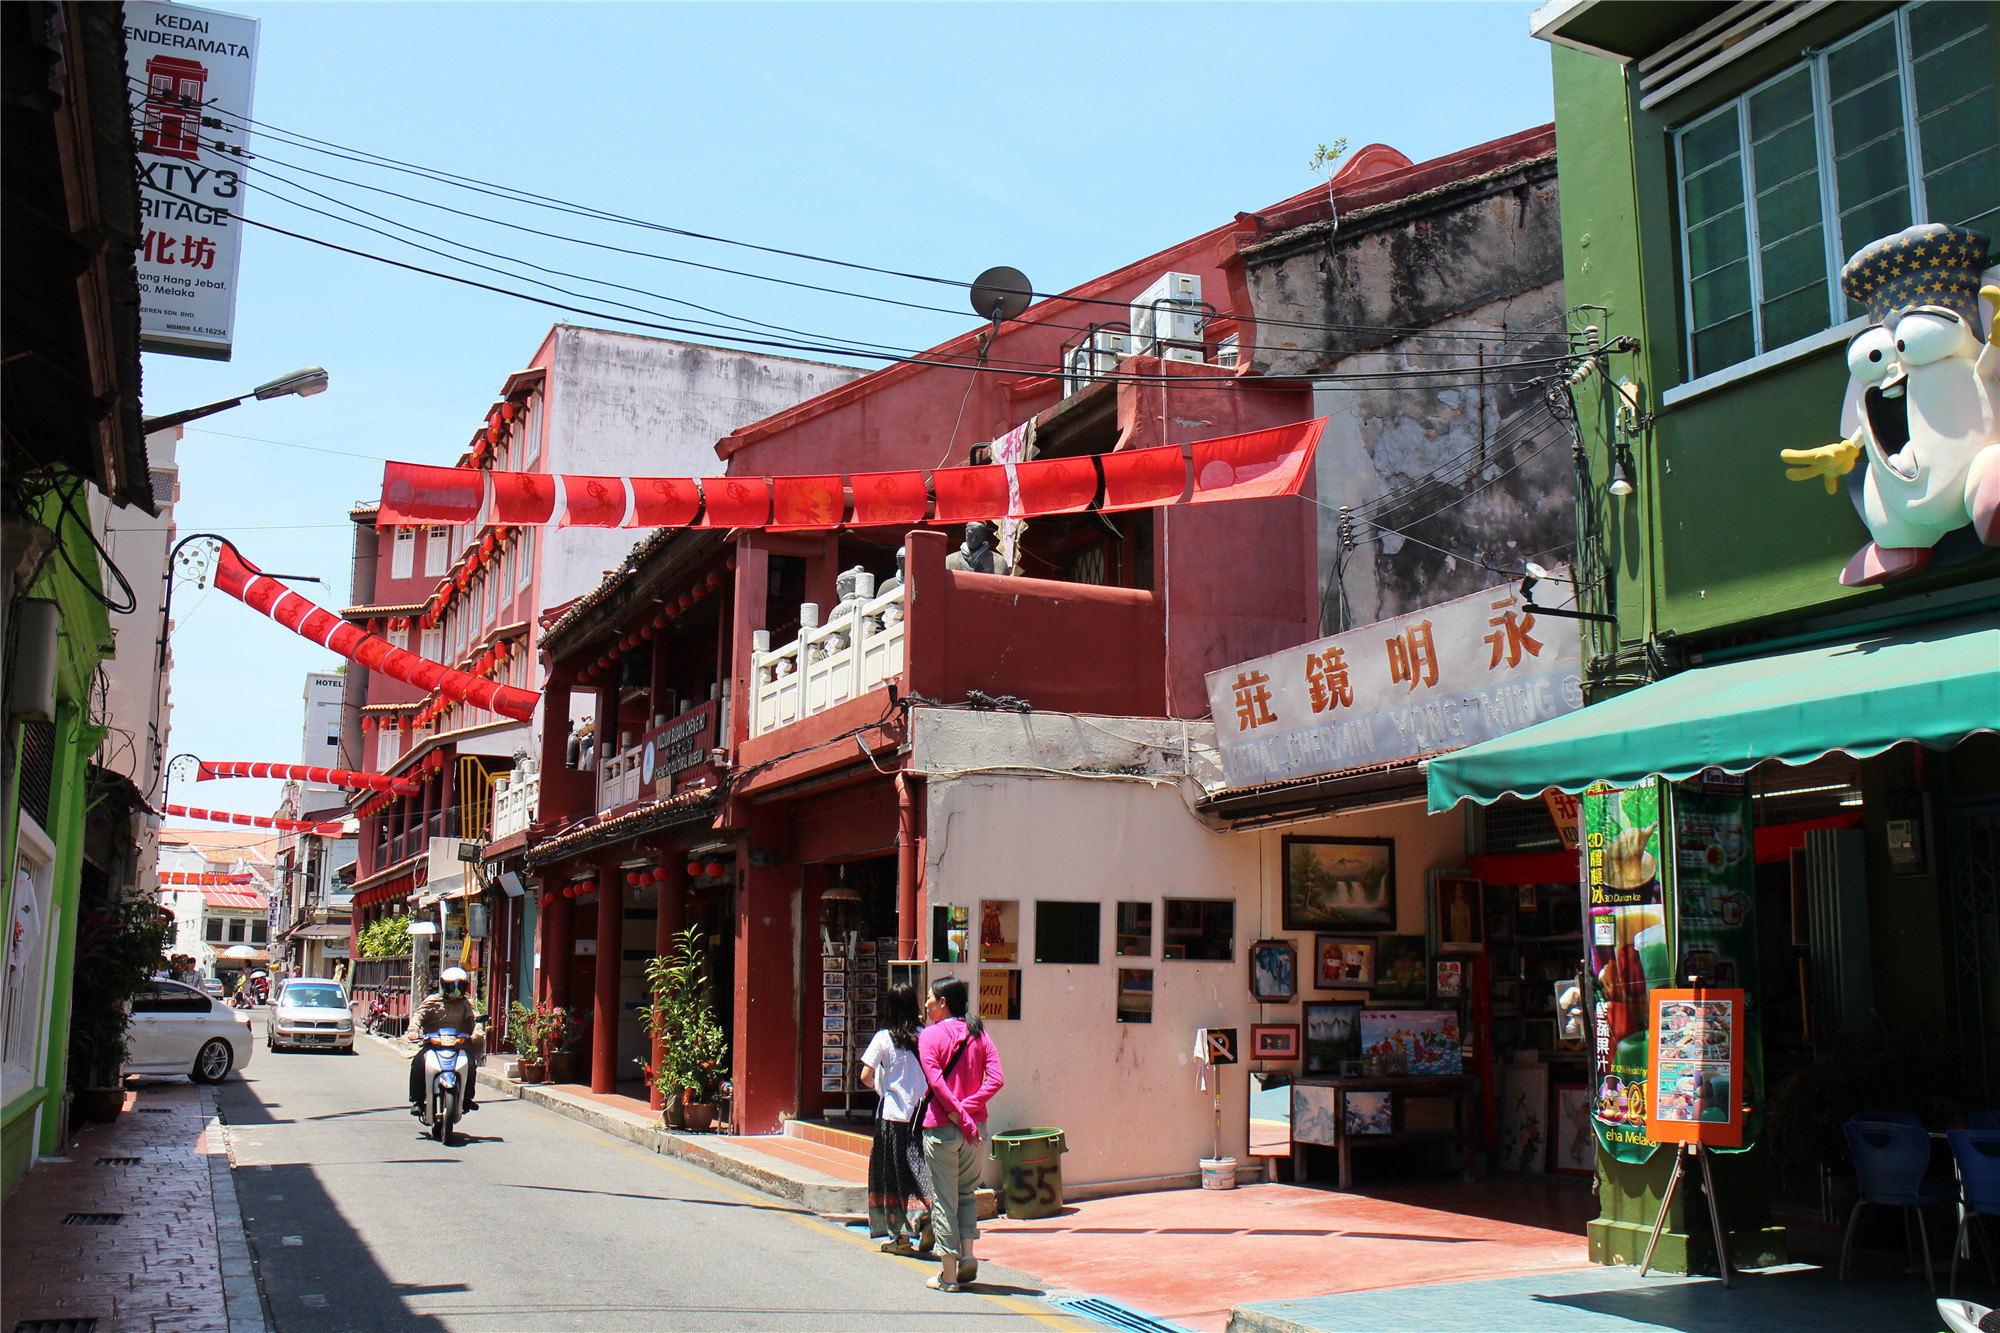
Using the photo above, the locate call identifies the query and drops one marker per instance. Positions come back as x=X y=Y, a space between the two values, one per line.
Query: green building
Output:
x=1719 y=165
x=74 y=446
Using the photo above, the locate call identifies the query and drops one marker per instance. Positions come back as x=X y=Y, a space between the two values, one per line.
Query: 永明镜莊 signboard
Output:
x=1448 y=676
x=190 y=73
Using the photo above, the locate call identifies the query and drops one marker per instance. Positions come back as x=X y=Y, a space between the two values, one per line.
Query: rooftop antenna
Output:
x=999 y=294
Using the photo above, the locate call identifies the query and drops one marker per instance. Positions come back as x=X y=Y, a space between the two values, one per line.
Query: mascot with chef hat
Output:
x=1923 y=404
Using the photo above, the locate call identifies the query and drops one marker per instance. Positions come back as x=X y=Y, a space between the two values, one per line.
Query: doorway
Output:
x=850 y=909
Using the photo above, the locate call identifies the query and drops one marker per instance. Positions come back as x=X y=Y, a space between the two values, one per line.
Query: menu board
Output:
x=1697 y=1063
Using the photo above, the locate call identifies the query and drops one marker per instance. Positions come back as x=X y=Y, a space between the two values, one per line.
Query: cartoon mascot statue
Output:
x=1922 y=414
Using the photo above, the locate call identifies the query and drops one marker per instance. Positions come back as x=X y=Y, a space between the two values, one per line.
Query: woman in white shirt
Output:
x=896 y=1163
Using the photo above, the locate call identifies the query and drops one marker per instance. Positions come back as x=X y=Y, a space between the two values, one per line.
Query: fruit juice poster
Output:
x=1698 y=1056
x=1629 y=957
x=1715 y=904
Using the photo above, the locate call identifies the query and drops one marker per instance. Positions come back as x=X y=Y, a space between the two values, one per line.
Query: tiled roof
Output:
x=378 y=612
x=680 y=808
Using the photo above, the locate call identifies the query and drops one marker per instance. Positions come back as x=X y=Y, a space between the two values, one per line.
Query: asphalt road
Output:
x=533 y=1222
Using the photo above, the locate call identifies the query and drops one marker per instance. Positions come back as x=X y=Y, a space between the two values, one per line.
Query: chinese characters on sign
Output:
x=191 y=72
x=1447 y=676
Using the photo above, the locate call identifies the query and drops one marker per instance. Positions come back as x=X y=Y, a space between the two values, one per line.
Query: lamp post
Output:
x=174 y=559
x=305 y=383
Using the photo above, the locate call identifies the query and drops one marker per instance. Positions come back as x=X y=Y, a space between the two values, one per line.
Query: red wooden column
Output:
x=610 y=951
x=558 y=948
x=766 y=1057
x=907 y=924
x=672 y=917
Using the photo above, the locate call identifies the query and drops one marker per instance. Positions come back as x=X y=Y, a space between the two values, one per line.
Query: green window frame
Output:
x=1893 y=124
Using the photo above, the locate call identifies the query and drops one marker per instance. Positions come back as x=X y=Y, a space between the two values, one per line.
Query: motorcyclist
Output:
x=449 y=1006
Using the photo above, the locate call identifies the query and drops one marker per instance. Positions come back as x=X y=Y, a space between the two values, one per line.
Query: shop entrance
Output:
x=844 y=973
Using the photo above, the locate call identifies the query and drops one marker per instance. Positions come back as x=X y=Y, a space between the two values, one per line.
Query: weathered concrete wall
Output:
x=1459 y=482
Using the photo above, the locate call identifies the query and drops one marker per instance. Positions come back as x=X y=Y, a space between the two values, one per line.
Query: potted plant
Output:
x=694 y=1055
x=531 y=1029
x=565 y=1030
x=119 y=945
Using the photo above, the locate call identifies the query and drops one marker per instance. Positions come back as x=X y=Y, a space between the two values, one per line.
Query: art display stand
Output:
x=1687 y=1150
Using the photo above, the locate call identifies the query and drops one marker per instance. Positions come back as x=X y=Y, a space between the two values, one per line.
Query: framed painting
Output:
x=1576 y=1144
x=1343 y=962
x=1333 y=1035
x=1274 y=971
x=1340 y=884
x=1523 y=1117
x=1402 y=970
x=1458 y=903
x=1274 y=1041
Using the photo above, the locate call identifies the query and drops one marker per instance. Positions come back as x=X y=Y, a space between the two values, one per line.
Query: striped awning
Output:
x=230 y=896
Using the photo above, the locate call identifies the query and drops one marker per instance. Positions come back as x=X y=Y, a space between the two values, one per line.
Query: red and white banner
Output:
x=325 y=777
x=255 y=821
x=1257 y=465
x=258 y=591
x=200 y=880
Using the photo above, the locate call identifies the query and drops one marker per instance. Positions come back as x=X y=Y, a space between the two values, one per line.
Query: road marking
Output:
x=314 y=1299
x=294 y=1240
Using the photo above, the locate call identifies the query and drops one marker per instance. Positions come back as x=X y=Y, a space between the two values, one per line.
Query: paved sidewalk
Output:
x=175 y=1257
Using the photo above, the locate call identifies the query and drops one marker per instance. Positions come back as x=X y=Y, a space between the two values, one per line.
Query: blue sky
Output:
x=1065 y=140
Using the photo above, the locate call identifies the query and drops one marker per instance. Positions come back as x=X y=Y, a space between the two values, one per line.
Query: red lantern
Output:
x=714 y=580
x=615 y=653
x=694 y=867
x=648 y=632
x=730 y=563
x=509 y=410
x=713 y=869
x=368 y=724
x=687 y=600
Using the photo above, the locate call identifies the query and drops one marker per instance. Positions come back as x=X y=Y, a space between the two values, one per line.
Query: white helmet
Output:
x=454 y=981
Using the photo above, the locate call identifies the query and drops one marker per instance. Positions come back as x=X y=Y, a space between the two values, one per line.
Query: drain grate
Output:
x=1115 y=1314
x=56 y=1326
x=153 y=1110
x=93 y=1219
x=118 y=1161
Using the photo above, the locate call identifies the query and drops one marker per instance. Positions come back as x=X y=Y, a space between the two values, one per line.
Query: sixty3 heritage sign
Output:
x=190 y=73
x=1447 y=676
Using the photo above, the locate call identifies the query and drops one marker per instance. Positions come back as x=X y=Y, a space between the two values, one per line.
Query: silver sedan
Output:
x=310 y=1015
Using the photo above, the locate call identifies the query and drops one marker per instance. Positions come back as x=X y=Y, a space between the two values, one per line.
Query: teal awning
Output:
x=1934 y=684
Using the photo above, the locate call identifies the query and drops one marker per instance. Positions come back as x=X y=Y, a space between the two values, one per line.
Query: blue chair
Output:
x=1977 y=1152
x=1889 y=1163
x=1984 y=1120
x=1887 y=1118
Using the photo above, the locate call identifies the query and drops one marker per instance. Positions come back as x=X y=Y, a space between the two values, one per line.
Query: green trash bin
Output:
x=1030 y=1171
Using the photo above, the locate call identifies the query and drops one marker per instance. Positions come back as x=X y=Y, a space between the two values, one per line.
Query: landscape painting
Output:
x=1340 y=884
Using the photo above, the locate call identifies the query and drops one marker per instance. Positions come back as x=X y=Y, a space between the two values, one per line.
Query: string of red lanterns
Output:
x=256 y=821
x=668 y=614
x=636 y=879
x=331 y=777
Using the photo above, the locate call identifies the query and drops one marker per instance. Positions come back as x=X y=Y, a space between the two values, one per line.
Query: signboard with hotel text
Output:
x=190 y=73
x=1447 y=676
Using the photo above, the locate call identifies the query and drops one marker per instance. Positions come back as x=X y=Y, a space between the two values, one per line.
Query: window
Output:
x=437 y=551
x=1135 y=930
x=403 y=557
x=1200 y=928
x=949 y=928
x=236 y=925
x=488 y=597
x=527 y=555
x=506 y=573
x=531 y=432
x=388 y=748
x=1778 y=187
x=28 y=984
x=433 y=642
x=260 y=932
x=1066 y=932
x=1135 y=994
x=212 y=930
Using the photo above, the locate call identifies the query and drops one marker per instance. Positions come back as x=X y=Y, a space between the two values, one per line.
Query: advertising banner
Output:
x=1450 y=675
x=1629 y=958
x=190 y=73
x=1715 y=899
x=1697 y=1049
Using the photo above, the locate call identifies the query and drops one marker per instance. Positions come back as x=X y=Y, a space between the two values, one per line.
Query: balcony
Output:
x=858 y=648
x=516 y=796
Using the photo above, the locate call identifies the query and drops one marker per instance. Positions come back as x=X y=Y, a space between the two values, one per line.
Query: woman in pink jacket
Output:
x=964 y=1071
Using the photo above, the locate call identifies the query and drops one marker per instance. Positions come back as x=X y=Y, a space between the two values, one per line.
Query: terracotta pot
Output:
x=102 y=1105
x=700 y=1115
x=562 y=1067
x=534 y=1071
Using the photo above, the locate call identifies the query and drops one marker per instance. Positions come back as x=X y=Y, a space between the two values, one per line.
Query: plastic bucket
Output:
x=1030 y=1171
x=1218 y=1173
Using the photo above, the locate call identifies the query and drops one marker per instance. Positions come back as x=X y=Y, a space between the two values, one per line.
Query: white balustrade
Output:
x=858 y=648
x=618 y=779
x=515 y=797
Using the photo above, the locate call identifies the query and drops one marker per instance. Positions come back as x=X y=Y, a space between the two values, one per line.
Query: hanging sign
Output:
x=1450 y=675
x=1697 y=1051
x=1629 y=957
x=190 y=73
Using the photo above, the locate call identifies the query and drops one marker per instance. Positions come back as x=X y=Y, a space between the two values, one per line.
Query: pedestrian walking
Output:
x=963 y=1069
x=896 y=1172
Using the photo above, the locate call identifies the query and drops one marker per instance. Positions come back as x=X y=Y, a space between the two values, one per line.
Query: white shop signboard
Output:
x=1438 y=679
x=190 y=73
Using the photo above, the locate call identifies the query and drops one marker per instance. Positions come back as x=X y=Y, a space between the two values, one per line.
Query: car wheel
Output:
x=213 y=1063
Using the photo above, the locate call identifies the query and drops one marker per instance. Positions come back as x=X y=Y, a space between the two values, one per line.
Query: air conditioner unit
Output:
x=1095 y=357
x=1174 y=294
x=1189 y=355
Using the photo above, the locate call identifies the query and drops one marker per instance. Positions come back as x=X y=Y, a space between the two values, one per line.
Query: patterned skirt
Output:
x=896 y=1178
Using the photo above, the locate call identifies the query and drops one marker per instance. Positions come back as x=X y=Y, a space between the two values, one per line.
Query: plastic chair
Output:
x=1977 y=1152
x=1961 y=1316
x=1889 y=1163
x=1984 y=1120
x=1887 y=1118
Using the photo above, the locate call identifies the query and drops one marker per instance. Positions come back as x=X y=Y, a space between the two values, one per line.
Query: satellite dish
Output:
x=1001 y=293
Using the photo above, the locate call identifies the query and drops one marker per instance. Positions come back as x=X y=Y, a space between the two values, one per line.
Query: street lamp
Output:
x=305 y=383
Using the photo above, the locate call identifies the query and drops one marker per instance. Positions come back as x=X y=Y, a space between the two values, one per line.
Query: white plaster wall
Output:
x=1125 y=1094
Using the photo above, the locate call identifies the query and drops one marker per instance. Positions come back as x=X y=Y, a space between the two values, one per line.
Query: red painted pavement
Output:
x=1190 y=1255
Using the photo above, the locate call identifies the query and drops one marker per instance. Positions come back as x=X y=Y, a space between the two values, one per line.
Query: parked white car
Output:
x=311 y=1015
x=178 y=1030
